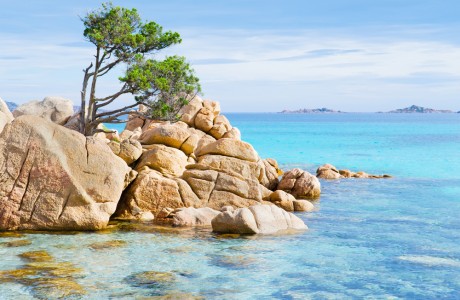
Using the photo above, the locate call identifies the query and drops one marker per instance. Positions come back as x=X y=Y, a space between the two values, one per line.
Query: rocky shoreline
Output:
x=194 y=172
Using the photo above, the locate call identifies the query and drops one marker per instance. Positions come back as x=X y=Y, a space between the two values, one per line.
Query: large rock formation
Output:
x=55 y=109
x=185 y=172
x=5 y=115
x=56 y=179
x=262 y=219
x=199 y=161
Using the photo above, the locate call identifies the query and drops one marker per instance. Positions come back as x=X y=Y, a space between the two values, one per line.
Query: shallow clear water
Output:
x=392 y=238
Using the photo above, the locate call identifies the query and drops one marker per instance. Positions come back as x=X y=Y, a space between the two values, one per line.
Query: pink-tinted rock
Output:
x=55 y=178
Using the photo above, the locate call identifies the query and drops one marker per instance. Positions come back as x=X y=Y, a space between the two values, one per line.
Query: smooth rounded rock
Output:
x=303 y=205
x=300 y=184
x=328 y=171
x=231 y=148
x=191 y=217
x=261 y=219
x=282 y=199
x=130 y=151
x=54 y=109
x=169 y=135
x=167 y=160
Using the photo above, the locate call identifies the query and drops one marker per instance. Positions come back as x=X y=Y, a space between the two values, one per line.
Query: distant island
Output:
x=419 y=109
x=310 y=111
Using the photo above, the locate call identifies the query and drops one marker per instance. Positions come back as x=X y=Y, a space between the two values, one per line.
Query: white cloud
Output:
x=280 y=57
x=247 y=69
x=277 y=66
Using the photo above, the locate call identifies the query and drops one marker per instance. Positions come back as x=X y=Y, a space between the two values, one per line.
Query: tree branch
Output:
x=114 y=119
x=107 y=103
x=104 y=131
x=102 y=58
x=119 y=93
x=83 y=98
x=114 y=112
x=110 y=65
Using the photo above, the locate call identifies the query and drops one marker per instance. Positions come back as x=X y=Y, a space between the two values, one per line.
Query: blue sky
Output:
x=354 y=55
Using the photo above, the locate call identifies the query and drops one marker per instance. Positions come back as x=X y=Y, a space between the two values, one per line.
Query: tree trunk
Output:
x=91 y=103
x=83 y=99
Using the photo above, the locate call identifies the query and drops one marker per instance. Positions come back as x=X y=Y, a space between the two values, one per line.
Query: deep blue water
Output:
x=394 y=238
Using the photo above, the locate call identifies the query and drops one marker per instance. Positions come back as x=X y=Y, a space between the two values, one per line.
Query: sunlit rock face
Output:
x=199 y=161
x=55 y=178
x=261 y=219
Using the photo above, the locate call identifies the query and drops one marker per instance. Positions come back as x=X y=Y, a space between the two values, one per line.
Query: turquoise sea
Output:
x=393 y=238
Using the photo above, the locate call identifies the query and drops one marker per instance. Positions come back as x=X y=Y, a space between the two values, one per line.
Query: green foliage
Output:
x=121 y=37
x=164 y=86
x=121 y=32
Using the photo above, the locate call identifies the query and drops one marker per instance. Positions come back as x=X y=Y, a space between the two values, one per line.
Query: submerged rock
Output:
x=151 y=279
x=55 y=178
x=108 y=245
x=46 y=278
x=234 y=261
x=8 y=234
x=17 y=243
x=177 y=296
x=262 y=219
x=56 y=288
x=36 y=256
